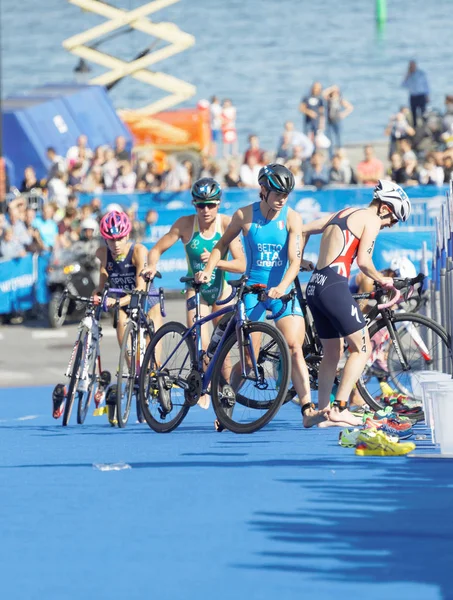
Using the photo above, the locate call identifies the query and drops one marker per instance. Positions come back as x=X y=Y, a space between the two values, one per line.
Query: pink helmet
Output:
x=115 y=225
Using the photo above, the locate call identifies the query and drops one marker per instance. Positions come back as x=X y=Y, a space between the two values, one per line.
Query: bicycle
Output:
x=408 y=339
x=175 y=374
x=85 y=358
x=138 y=330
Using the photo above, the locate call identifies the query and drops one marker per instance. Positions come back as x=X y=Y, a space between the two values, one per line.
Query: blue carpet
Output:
x=281 y=514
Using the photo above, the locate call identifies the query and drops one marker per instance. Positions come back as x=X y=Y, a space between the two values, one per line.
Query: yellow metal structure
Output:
x=177 y=40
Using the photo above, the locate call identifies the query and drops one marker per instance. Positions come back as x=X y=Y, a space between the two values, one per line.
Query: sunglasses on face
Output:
x=202 y=205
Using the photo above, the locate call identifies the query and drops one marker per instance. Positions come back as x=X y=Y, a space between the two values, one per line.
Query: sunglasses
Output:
x=202 y=205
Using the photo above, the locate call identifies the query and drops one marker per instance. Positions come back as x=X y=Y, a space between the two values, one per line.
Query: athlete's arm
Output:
x=238 y=263
x=101 y=254
x=162 y=245
x=365 y=252
x=308 y=229
x=294 y=255
x=231 y=232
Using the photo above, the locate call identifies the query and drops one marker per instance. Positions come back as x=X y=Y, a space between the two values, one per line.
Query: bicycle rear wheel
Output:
x=126 y=375
x=420 y=338
x=246 y=405
x=168 y=362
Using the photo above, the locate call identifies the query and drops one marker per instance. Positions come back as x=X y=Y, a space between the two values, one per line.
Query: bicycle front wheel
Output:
x=79 y=388
x=246 y=404
x=126 y=384
x=419 y=339
x=167 y=364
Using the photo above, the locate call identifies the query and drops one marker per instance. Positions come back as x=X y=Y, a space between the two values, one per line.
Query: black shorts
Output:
x=335 y=312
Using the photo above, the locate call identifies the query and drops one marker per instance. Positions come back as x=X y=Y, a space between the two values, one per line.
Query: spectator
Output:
x=67 y=229
x=80 y=152
x=447 y=119
x=109 y=169
x=138 y=227
x=188 y=165
x=152 y=178
x=57 y=163
x=448 y=168
x=215 y=110
x=86 y=212
x=285 y=149
x=46 y=226
x=312 y=107
x=126 y=180
x=337 y=109
x=36 y=244
x=205 y=167
x=17 y=225
x=317 y=173
x=151 y=219
x=96 y=208
x=232 y=178
x=29 y=181
x=409 y=173
x=337 y=175
x=93 y=182
x=349 y=174
x=249 y=172
x=254 y=148
x=76 y=177
x=416 y=83
x=371 y=169
x=121 y=153
x=406 y=149
x=57 y=190
x=396 y=163
x=295 y=169
x=397 y=130
x=98 y=158
x=431 y=173
x=10 y=247
x=175 y=178
x=298 y=139
x=73 y=201
x=230 y=138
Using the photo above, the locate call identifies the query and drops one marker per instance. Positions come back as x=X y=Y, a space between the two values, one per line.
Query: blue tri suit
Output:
x=266 y=246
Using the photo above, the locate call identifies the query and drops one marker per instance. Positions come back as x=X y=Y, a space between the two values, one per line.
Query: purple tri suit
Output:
x=123 y=274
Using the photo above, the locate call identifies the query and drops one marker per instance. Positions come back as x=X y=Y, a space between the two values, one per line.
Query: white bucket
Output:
x=442 y=399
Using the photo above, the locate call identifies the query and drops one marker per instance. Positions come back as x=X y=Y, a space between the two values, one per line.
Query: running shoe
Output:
x=397 y=403
x=395 y=427
x=376 y=443
x=348 y=437
x=58 y=398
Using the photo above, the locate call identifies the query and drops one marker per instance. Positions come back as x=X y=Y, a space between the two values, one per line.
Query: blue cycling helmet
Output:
x=276 y=178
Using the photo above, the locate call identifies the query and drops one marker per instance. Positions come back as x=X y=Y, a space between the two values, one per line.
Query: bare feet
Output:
x=204 y=401
x=312 y=417
x=344 y=416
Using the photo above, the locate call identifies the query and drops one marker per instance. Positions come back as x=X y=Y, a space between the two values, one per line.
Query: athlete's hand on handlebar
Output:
x=203 y=276
x=275 y=292
x=149 y=272
x=386 y=282
x=110 y=302
x=306 y=265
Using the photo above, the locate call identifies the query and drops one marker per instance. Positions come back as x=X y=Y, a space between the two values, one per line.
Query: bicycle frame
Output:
x=236 y=322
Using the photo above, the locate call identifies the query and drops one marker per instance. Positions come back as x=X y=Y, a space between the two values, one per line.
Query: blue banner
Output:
x=23 y=283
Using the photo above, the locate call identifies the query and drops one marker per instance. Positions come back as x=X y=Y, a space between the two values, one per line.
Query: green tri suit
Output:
x=194 y=249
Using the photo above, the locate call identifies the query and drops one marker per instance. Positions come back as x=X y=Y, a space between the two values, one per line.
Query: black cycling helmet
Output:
x=276 y=178
x=206 y=189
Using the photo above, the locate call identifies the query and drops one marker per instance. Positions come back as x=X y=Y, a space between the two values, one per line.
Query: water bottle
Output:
x=216 y=337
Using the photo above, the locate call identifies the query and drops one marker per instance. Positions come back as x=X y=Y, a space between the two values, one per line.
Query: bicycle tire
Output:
x=150 y=395
x=73 y=383
x=84 y=400
x=129 y=343
x=230 y=418
x=368 y=389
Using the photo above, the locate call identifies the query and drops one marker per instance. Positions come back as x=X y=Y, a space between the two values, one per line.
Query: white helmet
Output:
x=395 y=197
x=112 y=207
x=89 y=224
x=403 y=267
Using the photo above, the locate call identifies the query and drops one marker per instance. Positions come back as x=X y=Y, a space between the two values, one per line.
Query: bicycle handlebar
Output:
x=392 y=301
x=285 y=299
